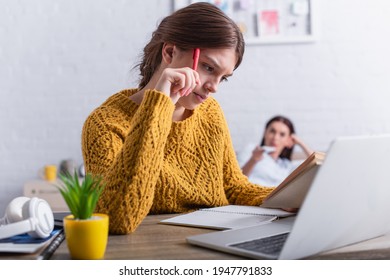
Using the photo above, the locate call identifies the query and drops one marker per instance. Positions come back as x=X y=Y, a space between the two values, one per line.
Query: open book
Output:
x=227 y=217
x=292 y=191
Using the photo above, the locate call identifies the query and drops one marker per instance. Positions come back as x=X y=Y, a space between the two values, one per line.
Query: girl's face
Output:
x=214 y=67
x=278 y=135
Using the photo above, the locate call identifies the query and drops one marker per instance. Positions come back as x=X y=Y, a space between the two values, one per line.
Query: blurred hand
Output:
x=257 y=153
x=292 y=210
x=295 y=139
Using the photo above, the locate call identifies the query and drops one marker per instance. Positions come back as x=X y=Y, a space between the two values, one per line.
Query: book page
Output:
x=292 y=191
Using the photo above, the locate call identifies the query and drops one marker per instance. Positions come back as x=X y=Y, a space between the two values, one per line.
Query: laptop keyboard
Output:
x=271 y=245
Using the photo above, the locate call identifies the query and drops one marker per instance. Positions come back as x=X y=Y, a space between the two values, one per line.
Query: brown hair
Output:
x=199 y=25
x=287 y=152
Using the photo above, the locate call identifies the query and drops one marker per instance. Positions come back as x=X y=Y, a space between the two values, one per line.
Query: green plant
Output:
x=81 y=198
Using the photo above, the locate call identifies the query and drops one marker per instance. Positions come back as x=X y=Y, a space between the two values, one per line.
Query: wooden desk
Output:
x=152 y=241
x=157 y=241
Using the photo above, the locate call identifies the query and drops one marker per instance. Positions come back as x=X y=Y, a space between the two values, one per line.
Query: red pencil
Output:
x=195 y=57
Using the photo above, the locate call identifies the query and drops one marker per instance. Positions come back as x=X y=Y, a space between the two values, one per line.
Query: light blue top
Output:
x=268 y=171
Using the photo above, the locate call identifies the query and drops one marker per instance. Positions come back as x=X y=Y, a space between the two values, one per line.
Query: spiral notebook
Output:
x=227 y=217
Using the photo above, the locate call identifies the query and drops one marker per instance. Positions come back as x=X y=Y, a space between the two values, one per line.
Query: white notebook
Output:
x=227 y=217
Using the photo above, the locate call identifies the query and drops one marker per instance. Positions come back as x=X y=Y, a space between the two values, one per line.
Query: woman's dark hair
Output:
x=199 y=25
x=287 y=152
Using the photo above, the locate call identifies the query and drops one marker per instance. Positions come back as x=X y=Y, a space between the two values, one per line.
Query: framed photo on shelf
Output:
x=269 y=21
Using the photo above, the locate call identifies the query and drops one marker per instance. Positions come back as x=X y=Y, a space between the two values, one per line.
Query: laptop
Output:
x=348 y=202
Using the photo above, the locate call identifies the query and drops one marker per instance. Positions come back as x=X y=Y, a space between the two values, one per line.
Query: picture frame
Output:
x=269 y=21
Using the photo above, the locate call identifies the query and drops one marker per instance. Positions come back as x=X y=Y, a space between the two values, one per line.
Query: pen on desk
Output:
x=54 y=244
x=195 y=58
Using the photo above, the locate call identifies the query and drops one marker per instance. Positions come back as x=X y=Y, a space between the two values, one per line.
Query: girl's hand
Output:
x=292 y=210
x=296 y=140
x=177 y=82
x=257 y=153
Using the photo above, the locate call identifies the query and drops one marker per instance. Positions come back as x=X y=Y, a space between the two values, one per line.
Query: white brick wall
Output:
x=59 y=59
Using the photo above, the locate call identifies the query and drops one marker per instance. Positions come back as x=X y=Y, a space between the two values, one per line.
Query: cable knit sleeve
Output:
x=238 y=189
x=127 y=149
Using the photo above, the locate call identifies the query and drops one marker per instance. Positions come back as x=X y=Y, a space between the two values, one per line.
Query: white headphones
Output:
x=27 y=215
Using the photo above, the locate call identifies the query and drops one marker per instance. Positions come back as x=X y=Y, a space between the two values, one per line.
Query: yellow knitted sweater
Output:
x=151 y=164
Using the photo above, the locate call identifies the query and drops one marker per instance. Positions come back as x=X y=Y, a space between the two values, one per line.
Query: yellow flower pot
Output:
x=86 y=239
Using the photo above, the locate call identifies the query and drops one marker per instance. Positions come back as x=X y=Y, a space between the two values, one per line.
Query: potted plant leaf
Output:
x=86 y=232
